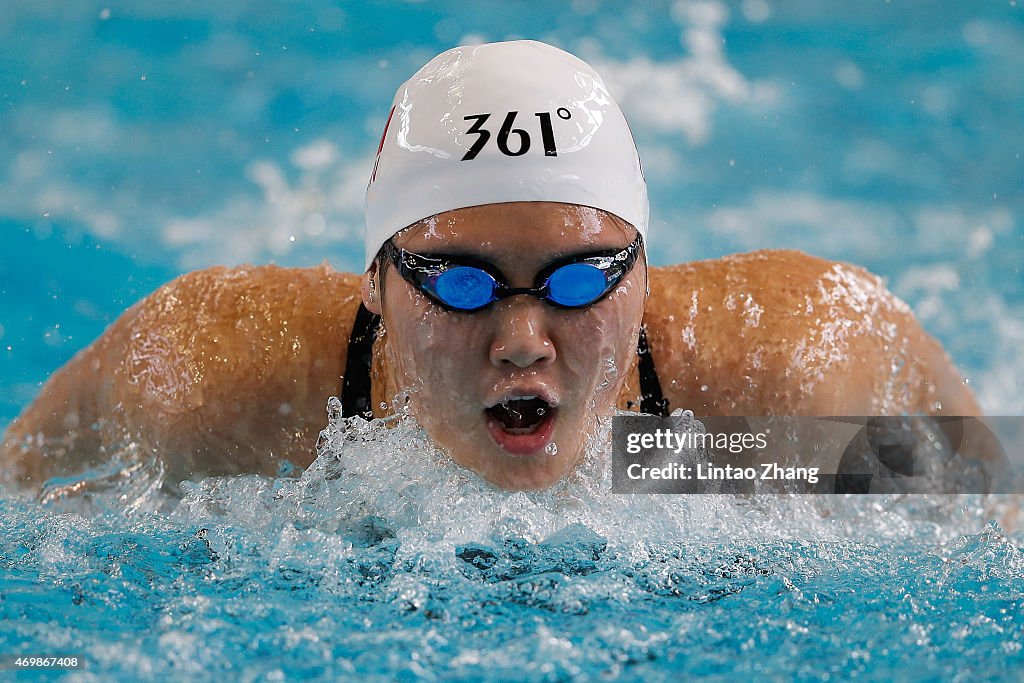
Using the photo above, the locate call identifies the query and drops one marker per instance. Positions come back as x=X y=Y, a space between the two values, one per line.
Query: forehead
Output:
x=518 y=230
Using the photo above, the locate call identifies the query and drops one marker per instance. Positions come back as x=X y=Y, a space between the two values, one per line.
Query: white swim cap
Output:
x=502 y=122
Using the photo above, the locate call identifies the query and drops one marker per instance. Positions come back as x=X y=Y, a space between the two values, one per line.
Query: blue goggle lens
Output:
x=465 y=288
x=459 y=284
x=576 y=284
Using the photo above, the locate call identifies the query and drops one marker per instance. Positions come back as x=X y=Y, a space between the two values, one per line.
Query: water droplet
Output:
x=703 y=387
x=551 y=448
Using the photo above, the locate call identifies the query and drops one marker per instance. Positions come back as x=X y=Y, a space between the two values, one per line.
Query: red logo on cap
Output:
x=380 y=147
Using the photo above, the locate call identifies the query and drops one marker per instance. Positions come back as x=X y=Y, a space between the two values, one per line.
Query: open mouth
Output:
x=521 y=425
x=521 y=415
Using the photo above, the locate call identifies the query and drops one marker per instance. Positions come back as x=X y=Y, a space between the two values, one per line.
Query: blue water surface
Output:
x=141 y=140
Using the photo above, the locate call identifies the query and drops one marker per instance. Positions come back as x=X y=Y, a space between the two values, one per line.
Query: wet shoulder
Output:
x=221 y=329
x=772 y=329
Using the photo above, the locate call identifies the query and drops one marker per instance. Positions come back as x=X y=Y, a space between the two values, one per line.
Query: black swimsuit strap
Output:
x=355 y=387
x=651 y=399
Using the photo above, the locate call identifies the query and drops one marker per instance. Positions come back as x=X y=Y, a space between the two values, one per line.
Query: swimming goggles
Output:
x=466 y=284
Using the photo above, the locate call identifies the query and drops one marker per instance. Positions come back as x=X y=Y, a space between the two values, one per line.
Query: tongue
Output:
x=521 y=413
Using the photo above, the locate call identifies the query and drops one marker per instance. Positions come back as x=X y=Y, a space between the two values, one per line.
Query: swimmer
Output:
x=506 y=300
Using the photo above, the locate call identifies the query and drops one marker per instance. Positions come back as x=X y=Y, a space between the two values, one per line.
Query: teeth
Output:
x=508 y=399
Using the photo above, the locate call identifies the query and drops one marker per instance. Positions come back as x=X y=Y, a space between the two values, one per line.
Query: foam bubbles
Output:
x=384 y=552
x=389 y=471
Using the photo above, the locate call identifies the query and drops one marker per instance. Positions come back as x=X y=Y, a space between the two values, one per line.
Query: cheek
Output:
x=430 y=350
x=598 y=344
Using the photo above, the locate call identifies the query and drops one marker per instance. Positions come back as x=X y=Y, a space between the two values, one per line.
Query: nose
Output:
x=520 y=334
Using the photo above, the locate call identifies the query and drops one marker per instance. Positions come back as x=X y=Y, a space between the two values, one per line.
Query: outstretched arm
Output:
x=220 y=371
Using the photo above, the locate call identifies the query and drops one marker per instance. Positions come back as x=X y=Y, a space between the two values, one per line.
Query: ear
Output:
x=371 y=290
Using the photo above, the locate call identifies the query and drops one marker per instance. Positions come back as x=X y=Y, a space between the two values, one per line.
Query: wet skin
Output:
x=225 y=371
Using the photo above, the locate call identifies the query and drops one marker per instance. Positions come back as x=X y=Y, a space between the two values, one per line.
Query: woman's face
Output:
x=513 y=390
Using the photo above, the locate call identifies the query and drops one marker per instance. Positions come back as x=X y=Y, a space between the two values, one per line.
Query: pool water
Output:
x=385 y=559
x=142 y=140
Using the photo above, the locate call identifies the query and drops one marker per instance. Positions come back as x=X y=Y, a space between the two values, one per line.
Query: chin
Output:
x=527 y=482
x=541 y=472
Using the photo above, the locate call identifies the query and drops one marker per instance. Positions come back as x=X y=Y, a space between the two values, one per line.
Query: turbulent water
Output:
x=386 y=559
